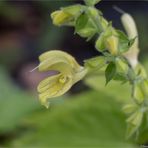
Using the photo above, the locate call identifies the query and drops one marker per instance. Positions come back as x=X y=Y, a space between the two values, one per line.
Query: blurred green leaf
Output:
x=14 y=104
x=97 y=82
x=91 y=119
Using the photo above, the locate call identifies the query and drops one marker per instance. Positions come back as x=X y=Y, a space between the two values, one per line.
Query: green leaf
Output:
x=114 y=88
x=87 y=120
x=122 y=35
x=120 y=77
x=110 y=72
x=91 y=2
x=131 y=41
x=15 y=104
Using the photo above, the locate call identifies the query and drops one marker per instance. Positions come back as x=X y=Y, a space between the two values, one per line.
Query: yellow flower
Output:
x=131 y=29
x=68 y=73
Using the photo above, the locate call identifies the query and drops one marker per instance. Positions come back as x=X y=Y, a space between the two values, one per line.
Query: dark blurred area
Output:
x=26 y=31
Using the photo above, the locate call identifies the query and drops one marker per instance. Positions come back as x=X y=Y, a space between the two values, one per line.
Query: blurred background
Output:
x=81 y=117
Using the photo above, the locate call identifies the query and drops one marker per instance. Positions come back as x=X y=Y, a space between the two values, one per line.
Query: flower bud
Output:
x=85 y=26
x=111 y=44
x=145 y=87
x=134 y=121
x=129 y=108
x=122 y=67
x=104 y=23
x=93 y=11
x=136 y=118
x=140 y=71
x=87 y=32
x=95 y=63
x=138 y=92
x=59 y=17
x=100 y=42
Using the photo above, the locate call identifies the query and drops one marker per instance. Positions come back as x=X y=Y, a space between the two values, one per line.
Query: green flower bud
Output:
x=122 y=67
x=138 y=92
x=85 y=26
x=95 y=63
x=99 y=45
x=136 y=118
x=104 y=23
x=100 y=42
x=87 y=32
x=145 y=87
x=134 y=121
x=97 y=15
x=129 y=108
x=107 y=41
x=139 y=70
x=93 y=11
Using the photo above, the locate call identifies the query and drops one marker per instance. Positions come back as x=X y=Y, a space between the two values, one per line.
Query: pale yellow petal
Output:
x=44 y=84
x=48 y=64
x=56 y=89
x=56 y=56
x=79 y=75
